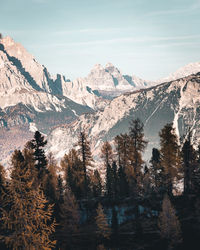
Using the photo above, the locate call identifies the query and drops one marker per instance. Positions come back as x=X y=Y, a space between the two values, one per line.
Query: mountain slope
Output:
x=176 y=102
x=189 y=69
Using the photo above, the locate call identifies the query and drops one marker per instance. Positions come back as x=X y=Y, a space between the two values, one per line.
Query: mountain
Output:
x=175 y=101
x=103 y=102
x=189 y=69
x=30 y=98
x=109 y=82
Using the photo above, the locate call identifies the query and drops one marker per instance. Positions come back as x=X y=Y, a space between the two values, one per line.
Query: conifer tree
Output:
x=74 y=174
x=96 y=184
x=107 y=153
x=123 y=185
x=170 y=156
x=115 y=179
x=189 y=165
x=28 y=219
x=103 y=230
x=109 y=181
x=138 y=144
x=70 y=220
x=50 y=182
x=169 y=224
x=122 y=145
x=37 y=144
x=125 y=172
x=86 y=158
x=157 y=171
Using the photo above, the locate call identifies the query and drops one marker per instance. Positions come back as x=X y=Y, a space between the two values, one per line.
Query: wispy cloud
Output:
x=123 y=40
x=177 y=44
x=193 y=7
x=88 y=31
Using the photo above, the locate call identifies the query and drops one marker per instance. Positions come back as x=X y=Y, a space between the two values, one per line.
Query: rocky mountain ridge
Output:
x=30 y=99
x=176 y=101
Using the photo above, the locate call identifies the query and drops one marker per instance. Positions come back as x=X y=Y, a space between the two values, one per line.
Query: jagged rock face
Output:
x=24 y=60
x=109 y=80
x=177 y=102
x=20 y=72
x=30 y=99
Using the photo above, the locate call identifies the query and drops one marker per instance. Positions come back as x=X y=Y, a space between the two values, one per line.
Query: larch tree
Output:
x=103 y=230
x=70 y=219
x=50 y=182
x=168 y=223
x=28 y=220
x=170 y=156
x=73 y=173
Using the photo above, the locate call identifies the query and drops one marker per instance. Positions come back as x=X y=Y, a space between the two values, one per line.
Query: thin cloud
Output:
x=87 y=31
x=120 y=40
x=176 y=44
x=195 y=6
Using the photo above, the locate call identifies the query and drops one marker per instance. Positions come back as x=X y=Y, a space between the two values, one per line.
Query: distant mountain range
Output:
x=104 y=102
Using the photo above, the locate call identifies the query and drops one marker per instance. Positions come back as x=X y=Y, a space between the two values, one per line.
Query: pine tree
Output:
x=86 y=158
x=74 y=174
x=103 y=230
x=138 y=145
x=115 y=180
x=157 y=171
x=189 y=165
x=28 y=219
x=37 y=144
x=122 y=146
x=96 y=184
x=107 y=153
x=170 y=156
x=109 y=181
x=169 y=224
x=123 y=185
x=50 y=182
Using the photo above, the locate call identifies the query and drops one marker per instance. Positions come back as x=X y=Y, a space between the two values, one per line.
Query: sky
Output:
x=147 y=38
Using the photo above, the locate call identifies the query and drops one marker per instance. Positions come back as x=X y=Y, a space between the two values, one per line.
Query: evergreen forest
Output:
x=125 y=204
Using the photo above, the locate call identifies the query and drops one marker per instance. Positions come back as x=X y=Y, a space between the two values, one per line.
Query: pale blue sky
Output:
x=149 y=38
